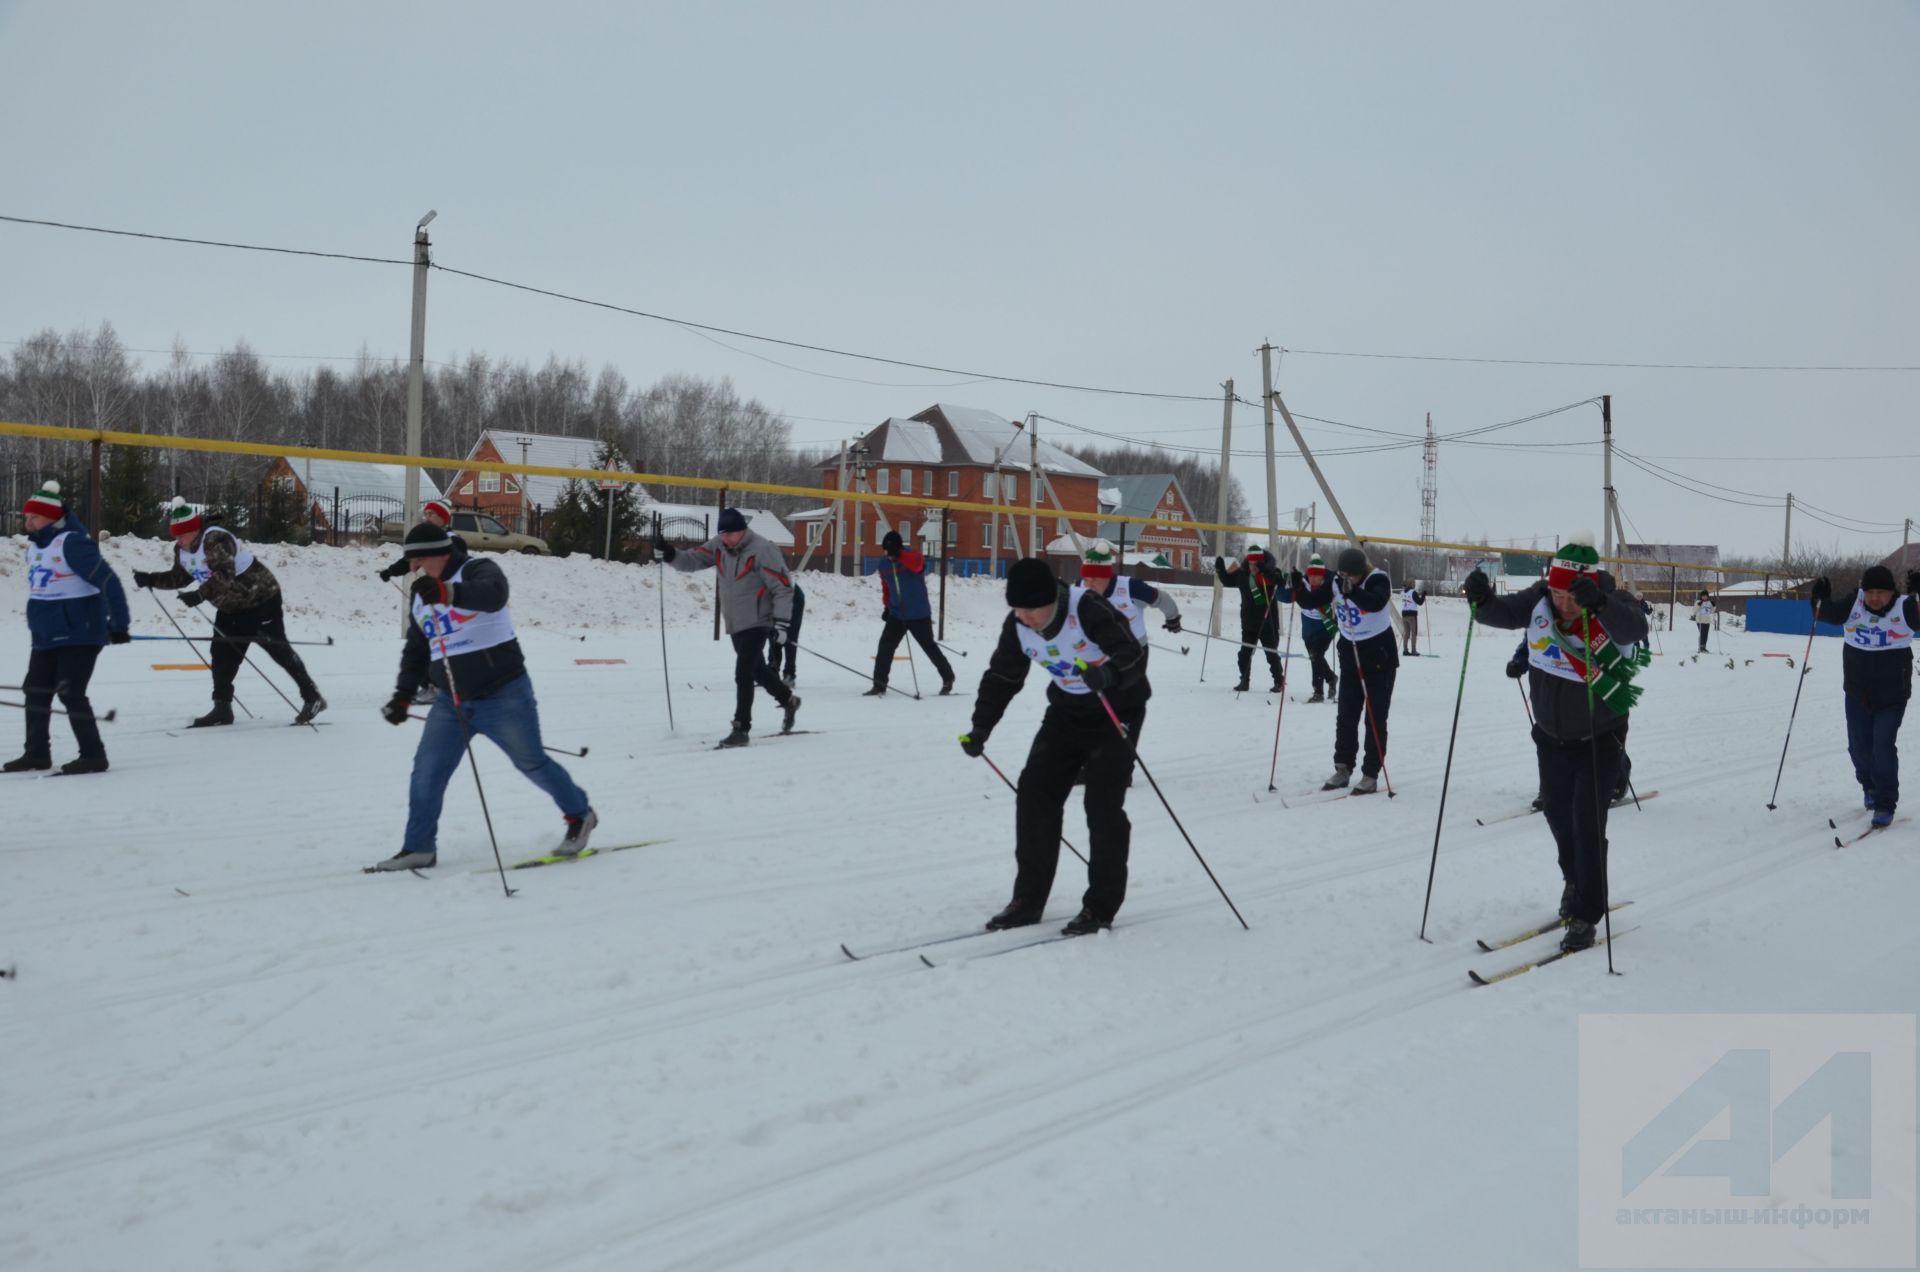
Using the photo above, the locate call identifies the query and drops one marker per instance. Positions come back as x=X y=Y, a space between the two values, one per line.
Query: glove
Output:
x=1173 y=625
x=1095 y=676
x=397 y=707
x=144 y=578
x=1478 y=588
x=1517 y=665
x=429 y=591
x=1587 y=593
x=191 y=599
x=974 y=747
x=779 y=633
x=118 y=638
x=394 y=571
x=1220 y=565
x=1822 y=590
x=1913 y=582
x=1298 y=580
x=886 y=615
x=661 y=548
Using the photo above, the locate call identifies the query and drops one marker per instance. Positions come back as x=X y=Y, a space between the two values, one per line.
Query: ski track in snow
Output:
x=240 y=1047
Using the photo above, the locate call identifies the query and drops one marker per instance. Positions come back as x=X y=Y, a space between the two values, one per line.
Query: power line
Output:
x=199 y=242
x=1568 y=362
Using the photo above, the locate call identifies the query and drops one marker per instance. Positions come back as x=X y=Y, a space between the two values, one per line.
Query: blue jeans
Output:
x=1871 y=735
x=511 y=718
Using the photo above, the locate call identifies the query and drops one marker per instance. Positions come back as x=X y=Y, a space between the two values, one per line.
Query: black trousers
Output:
x=1357 y=693
x=265 y=626
x=922 y=632
x=63 y=671
x=1322 y=669
x=1577 y=813
x=750 y=669
x=777 y=653
x=1703 y=635
x=1067 y=742
x=1267 y=633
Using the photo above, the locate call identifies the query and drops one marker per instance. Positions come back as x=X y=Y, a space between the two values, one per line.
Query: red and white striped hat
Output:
x=438 y=508
x=46 y=502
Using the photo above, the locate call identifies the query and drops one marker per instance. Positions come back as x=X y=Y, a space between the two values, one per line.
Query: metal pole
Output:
x=1266 y=400
x=840 y=515
x=1606 y=481
x=720 y=502
x=993 y=526
x=1786 y=542
x=609 y=495
x=416 y=387
x=1221 y=503
x=94 y=518
x=1033 y=485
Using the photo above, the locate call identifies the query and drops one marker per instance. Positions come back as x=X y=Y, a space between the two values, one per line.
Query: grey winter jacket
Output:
x=1560 y=706
x=755 y=589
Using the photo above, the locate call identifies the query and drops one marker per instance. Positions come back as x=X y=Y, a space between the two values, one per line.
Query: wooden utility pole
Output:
x=1266 y=401
x=1221 y=502
x=1033 y=485
x=1606 y=479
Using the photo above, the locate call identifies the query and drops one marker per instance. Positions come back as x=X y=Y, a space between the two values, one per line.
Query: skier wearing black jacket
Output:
x=1088 y=652
x=1585 y=644
x=1876 y=668
x=1358 y=596
x=1262 y=592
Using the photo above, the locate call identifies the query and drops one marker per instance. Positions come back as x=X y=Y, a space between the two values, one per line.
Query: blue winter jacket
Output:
x=903 y=587
x=83 y=620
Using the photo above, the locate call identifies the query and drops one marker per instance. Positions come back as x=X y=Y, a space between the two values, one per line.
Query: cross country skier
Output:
x=1132 y=597
x=436 y=512
x=1703 y=614
x=755 y=594
x=1876 y=666
x=247 y=604
x=1087 y=650
x=1583 y=643
x=1357 y=596
x=905 y=610
x=462 y=638
x=1411 y=599
x=1317 y=629
x=1262 y=592
x=75 y=606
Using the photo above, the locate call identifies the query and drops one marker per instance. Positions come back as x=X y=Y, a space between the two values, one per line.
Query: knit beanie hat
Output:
x=1351 y=561
x=182 y=521
x=891 y=542
x=731 y=520
x=1316 y=566
x=1255 y=552
x=1876 y=578
x=1574 y=558
x=46 y=502
x=425 y=540
x=1098 y=563
x=439 y=508
x=1030 y=584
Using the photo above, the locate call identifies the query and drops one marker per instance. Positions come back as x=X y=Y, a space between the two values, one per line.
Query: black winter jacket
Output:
x=1560 y=706
x=1375 y=593
x=1006 y=672
x=1874 y=677
x=478 y=674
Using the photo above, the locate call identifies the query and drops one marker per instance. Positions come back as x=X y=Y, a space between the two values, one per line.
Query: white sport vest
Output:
x=1058 y=654
x=195 y=562
x=1407 y=604
x=1875 y=632
x=49 y=579
x=1544 y=653
x=1130 y=609
x=1703 y=612
x=1355 y=623
x=466 y=631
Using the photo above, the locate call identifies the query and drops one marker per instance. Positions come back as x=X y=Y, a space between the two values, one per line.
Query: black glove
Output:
x=1822 y=590
x=779 y=633
x=144 y=578
x=1096 y=676
x=886 y=615
x=1913 y=582
x=397 y=707
x=1478 y=588
x=974 y=747
x=394 y=571
x=1173 y=625
x=1220 y=565
x=118 y=638
x=191 y=599
x=429 y=591
x=1587 y=594
x=1517 y=665
x=1299 y=581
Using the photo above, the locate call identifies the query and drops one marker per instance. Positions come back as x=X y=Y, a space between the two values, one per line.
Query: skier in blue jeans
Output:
x=462 y=637
x=1876 y=665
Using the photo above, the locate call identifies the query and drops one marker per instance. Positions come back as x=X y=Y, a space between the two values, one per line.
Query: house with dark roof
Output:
x=519 y=500
x=1157 y=495
x=961 y=453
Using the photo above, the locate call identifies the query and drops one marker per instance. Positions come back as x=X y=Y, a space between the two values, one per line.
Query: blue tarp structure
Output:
x=1787 y=617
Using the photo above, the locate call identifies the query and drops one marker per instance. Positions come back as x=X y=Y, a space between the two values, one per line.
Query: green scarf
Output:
x=1610 y=671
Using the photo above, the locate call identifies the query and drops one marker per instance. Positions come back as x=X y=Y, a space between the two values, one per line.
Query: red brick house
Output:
x=951 y=452
x=1151 y=495
x=518 y=501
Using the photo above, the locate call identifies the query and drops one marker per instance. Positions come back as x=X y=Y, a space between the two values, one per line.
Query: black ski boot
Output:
x=1085 y=923
x=26 y=764
x=311 y=705
x=85 y=764
x=1243 y=686
x=222 y=713
x=1017 y=914
x=878 y=691
x=1579 y=936
x=738 y=737
x=946 y=686
x=790 y=709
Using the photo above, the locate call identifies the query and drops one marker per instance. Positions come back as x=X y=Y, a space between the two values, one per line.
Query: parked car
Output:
x=482 y=534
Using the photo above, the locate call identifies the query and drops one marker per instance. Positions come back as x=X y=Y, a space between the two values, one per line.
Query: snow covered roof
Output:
x=977 y=436
x=906 y=442
x=544 y=451
x=759 y=520
x=322 y=477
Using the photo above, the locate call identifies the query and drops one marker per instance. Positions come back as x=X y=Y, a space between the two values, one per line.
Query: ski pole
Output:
x=1016 y=794
x=460 y=714
x=1524 y=704
x=223 y=638
x=950 y=649
x=1170 y=649
x=218 y=640
x=1373 y=725
x=557 y=750
x=53 y=710
x=1447 y=776
x=1599 y=802
x=1134 y=751
x=1813 y=625
x=913 y=667
x=665 y=678
x=814 y=653
x=1273 y=769
x=1213 y=617
x=196 y=651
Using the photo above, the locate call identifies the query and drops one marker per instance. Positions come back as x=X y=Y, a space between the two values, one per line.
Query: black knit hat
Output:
x=1877 y=578
x=427 y=539
x=730 y=521
x=1351 y=561
x=890 y=542
x=1030 y=584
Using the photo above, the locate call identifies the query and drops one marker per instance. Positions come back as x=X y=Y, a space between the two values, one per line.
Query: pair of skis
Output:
x=1629 y=801
x=1845 y=841
x=1517 y=938
x=1047 y=935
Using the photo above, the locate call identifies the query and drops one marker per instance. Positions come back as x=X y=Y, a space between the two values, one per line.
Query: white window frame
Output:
x=953 y=484
x=953 y=533
x=880 y=529
x=986 y=535
x=881 y=478
x=906 y=481
x=814 y=531
x=906 y=533
x=489 y=483
x=1010 y=488
x=926 y=483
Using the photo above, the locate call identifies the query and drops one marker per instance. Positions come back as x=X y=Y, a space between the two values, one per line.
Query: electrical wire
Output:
x=200 y=242
x=1567 y=362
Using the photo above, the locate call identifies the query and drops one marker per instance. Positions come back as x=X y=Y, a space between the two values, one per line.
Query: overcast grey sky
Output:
x=1131 y=196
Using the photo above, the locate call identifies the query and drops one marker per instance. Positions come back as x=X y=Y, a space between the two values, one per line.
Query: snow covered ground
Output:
x=228 y=1048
